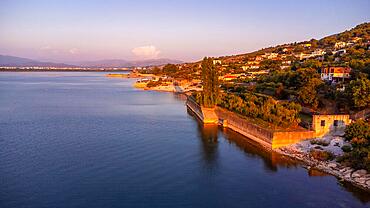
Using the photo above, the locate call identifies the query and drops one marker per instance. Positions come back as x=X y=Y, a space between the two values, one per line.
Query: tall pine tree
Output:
x=210 y=83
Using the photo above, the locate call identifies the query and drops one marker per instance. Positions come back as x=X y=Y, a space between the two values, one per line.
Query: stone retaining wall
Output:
x=242 y=126
x=285 y=138
x=206 y=115
x=195 y=108
x=266 y=137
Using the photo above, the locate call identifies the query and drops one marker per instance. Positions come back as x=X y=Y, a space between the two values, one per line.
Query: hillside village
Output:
x=336 y=60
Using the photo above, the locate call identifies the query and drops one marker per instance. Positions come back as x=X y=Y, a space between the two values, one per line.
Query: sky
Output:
x=187 y=30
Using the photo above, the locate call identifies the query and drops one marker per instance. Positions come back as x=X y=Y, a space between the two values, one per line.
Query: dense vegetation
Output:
x=358 y=134
x=358 y=92
x=265 y=108
x=186 y=72
x=302 y=84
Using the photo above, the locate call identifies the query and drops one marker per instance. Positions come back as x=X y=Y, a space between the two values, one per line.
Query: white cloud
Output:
x=73 y=51
x=146 y=52
x=45 y=48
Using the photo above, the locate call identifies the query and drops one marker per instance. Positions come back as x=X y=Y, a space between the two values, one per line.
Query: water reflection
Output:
x=209 y=143
x=271 y=160
x=363 y=196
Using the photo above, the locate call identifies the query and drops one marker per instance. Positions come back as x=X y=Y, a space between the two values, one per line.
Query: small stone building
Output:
x=324 y=124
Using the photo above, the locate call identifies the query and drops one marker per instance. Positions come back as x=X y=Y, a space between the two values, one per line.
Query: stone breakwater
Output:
x=359 y=178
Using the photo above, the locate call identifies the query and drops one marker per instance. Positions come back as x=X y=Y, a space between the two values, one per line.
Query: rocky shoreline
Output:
x=359 y=178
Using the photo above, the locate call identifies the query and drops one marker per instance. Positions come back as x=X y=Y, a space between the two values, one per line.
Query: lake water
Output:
x=79 y=139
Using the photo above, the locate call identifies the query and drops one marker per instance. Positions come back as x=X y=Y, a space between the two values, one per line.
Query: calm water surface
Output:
x=71 y=139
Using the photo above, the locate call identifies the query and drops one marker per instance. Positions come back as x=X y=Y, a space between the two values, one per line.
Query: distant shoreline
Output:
x=63 y=70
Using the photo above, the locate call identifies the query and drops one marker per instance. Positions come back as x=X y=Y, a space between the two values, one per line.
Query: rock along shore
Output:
x=359 y=178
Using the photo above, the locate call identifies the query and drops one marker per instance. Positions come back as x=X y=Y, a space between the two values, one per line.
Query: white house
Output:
x=318 y=52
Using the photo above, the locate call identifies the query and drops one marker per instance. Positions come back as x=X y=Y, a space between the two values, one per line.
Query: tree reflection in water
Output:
x=209 y=139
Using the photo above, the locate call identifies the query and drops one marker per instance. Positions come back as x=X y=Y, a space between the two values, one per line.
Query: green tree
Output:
x=210 y=83
x=358 y=133
x=359 y=129
x=309 y=82
x=170 y=69
x=307 y=94
x=312 y=63
x=359 y=92
x=156 y=71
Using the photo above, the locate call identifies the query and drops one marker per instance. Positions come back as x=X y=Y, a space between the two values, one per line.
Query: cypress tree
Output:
x=210 y=83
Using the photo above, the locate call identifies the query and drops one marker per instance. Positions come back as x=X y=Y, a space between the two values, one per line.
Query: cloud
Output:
x=146 y=52
x=73 y=51
x=45 y=48
x=48 y=49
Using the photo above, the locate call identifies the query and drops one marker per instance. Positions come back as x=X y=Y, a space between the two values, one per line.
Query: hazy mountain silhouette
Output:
x=126 y=63
x=18 y=61
x=108 y=63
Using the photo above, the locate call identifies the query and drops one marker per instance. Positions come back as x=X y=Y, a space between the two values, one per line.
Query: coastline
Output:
x=63 y=70
x=343 y=173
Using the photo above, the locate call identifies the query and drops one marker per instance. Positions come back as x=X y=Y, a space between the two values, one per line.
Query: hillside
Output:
x=355 y=37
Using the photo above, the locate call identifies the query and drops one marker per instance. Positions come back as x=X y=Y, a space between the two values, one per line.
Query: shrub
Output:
x=360 y=129
x=358 y=134
x=154 y=83
x=319 y=142
x=321 y=155
x=358 y=158
x=346 y=148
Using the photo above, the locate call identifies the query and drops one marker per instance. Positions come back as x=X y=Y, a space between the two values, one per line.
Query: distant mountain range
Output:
x=125 y=63
x=109 y=63
x=17 y=61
